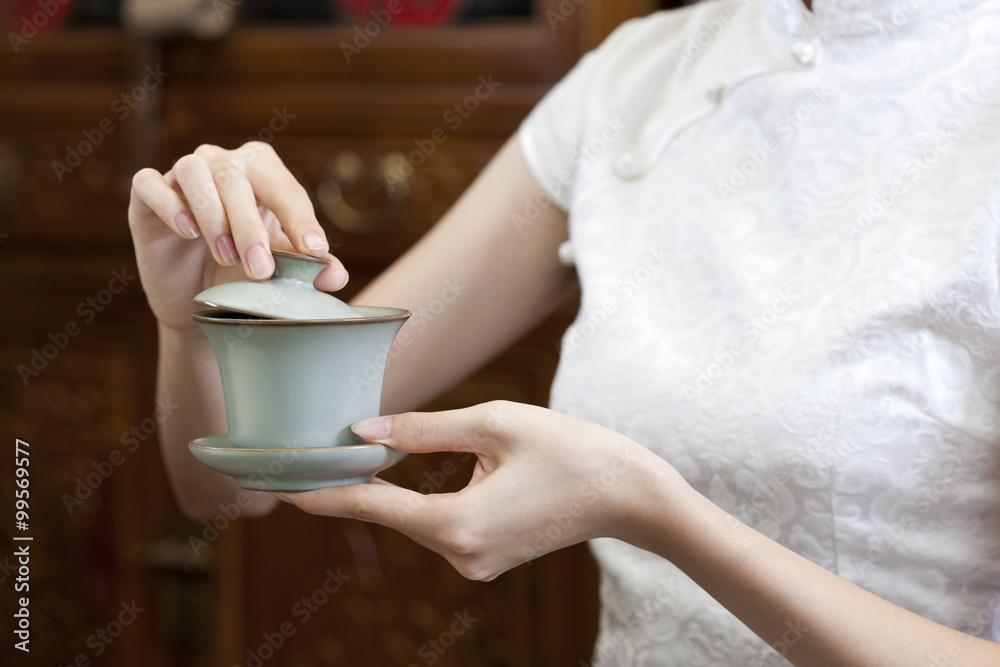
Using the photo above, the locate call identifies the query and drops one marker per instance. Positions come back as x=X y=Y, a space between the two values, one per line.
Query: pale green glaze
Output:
x=289 y=293
x=300 y=383
x=300 y=469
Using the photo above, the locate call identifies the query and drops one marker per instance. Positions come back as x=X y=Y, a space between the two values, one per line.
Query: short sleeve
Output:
x=621 y=84
x=552 y=132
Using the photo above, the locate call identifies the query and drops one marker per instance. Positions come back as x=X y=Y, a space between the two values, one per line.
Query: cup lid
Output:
x=289 y=293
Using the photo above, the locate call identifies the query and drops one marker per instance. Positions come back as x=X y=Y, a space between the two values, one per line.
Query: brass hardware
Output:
x=390 y=188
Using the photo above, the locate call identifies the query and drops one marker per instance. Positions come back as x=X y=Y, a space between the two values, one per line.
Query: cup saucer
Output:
x=294 y=468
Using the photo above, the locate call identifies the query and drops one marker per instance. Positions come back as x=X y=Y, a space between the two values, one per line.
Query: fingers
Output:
x=238 y=209
x=278 y=238
x=333 y=277
x=381 y=503
x=195 y=178
x=437 y=522
x=223 y=195
x=330 y=279
x=153 y=200
x=279 y=190
x=482 y=429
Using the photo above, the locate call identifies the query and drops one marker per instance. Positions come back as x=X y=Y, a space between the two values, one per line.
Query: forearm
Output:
x=809 y=614
x=474 y=283
x=189 y=377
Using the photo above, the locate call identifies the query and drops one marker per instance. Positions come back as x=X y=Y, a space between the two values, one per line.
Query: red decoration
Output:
x=27 y=18
x=406 y=11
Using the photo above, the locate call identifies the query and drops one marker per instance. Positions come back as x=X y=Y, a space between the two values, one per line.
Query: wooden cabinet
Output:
x=288 y=589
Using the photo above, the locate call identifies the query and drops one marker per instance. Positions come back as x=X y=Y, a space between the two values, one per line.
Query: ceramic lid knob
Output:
x=289 y=293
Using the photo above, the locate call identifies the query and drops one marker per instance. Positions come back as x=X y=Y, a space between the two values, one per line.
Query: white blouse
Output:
x=786 y=226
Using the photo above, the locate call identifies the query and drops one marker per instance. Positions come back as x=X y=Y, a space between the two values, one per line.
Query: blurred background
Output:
x=93 y=90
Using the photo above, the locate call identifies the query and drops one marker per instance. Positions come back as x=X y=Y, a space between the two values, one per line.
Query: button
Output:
x=566 y=255
x=805 y=52
x=716 y=92
x=627 y=166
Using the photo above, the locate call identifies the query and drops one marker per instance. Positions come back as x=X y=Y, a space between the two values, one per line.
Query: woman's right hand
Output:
x=243 y=202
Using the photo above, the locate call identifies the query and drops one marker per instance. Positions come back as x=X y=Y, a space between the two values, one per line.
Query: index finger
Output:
x=480 y=429
x=276 y=188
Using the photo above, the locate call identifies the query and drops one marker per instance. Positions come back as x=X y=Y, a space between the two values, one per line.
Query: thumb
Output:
x=381 y=503
x=479 y=429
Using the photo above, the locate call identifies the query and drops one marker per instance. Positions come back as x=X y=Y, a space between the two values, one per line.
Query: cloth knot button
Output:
x=567 y=257
x=805 y=52
x=626 y=166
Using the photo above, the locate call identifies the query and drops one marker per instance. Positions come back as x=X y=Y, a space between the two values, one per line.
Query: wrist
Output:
x=183 y=345
x=183 y=336
x=660 y=511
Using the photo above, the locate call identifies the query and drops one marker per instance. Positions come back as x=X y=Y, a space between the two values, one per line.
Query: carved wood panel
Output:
x=102 y=541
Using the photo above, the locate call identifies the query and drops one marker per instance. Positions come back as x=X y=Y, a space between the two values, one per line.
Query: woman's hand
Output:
x=242 y=202
x=544 y=480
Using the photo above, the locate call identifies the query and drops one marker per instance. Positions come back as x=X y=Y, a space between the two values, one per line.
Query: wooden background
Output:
x=72 y=307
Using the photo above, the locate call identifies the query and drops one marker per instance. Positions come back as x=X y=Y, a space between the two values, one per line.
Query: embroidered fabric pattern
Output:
x=791 y=294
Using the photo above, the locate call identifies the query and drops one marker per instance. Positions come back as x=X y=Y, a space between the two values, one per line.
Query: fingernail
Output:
x=315 y=241
x=376 y=428
x=283 y=498
x=341 y=276
x=186 y=225
x=227 y=250
x=259 y=262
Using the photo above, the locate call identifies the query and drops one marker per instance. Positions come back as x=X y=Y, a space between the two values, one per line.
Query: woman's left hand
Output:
x=543 y=481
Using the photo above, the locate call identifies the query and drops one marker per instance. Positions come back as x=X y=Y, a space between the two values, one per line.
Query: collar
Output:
x=832 y=19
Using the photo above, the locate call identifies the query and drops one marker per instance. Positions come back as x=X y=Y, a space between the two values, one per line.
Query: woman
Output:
x=780 y=397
